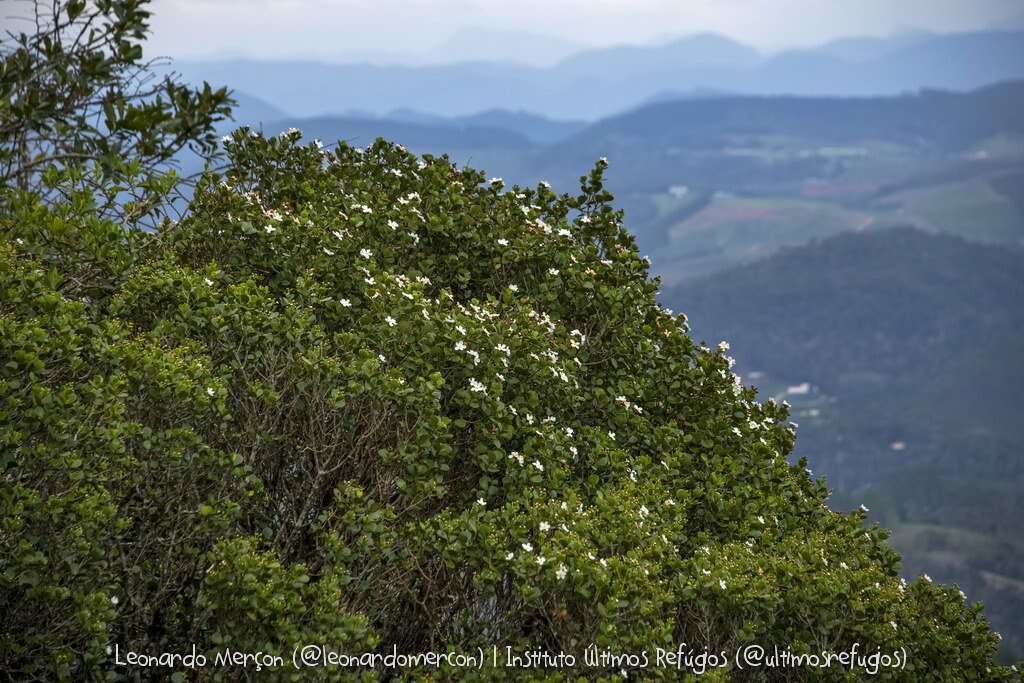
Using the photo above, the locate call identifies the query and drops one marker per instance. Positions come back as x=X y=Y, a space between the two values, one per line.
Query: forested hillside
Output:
x=909 y=346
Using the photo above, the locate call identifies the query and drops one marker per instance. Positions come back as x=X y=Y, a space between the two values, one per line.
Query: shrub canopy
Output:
x=367 y=399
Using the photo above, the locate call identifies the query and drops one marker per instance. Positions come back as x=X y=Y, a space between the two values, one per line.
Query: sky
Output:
x=437 y=31
x=408 y=31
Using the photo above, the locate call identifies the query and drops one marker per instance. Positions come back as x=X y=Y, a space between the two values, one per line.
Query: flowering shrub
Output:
x=369 y=400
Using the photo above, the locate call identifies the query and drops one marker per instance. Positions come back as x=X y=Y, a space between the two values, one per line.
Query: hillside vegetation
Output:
x=911 y=346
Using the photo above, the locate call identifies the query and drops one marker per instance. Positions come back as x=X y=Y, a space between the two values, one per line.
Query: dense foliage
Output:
x=371 y=400
x=75 y=93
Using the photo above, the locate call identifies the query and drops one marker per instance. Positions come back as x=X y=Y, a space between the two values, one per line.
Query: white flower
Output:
x=290 y=131
x=392 y=224
x=114 y=600
x=390 y=321
x=864 y=508
x=481 y=501
x=210 y=391
x=611 y=435
x=226 y=139
x=270 y=229
x=926 y=578
x=328 y=251
x=561 y=572
x=493 y=181
x=552 y=271
x=584 y=219
x=369 y=280
x=723 y=346
x=319 y=145
x=541 y=560
x=603 y=160
x=669 y=501
x=345 y=302
x=568 y=431
x=514 y=288
x=528 y=547
x=460 y=345
x=475 y=355
x=644 y=511
x=760 y=519
x=893 y=624
x=544 y=526
x=564 y=233
x=545 y=184
x=721 y=583
x=365 y=253
x=381 y=358
x=504 y=349
x=208 y=281
x=460 y=329
x=476 y=386
x=510 y=556
x=503 y=242
x=602 y=562
x=536 y=463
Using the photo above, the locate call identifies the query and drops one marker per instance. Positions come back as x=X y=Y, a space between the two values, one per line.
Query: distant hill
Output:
x=536 y=128
x=864 y=49
x=945 y=120
x=776 y=144
x=600 y=82
x=689 y=52
x=252 y=111
x=532 y=126
x=812 y=313
x=902 y=354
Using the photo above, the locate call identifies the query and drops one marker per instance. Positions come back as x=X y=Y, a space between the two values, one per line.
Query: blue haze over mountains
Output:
x=599 y=82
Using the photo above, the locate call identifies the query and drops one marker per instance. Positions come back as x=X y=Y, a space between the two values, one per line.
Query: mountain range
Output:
x=599 y=82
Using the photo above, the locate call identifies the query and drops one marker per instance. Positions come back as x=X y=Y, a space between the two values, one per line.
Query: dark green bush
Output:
x=363 y=399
